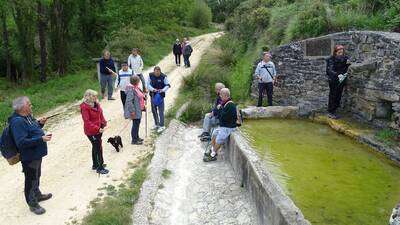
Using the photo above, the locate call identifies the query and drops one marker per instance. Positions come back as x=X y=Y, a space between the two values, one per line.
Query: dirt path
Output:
x=66 y=171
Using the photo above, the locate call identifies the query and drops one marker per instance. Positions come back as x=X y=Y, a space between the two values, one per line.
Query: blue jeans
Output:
x=135 y=130
x=106 y=81
x=209 y=121
x=186 y=60
x=158 y=114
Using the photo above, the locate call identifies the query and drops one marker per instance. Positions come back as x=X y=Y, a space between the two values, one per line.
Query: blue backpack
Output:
x=8 y=147
x=157 y=99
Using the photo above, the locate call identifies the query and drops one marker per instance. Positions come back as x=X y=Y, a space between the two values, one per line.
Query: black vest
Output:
x=157 y=82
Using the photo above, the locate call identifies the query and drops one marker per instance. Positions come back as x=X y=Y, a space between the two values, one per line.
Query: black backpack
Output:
x=8 y=147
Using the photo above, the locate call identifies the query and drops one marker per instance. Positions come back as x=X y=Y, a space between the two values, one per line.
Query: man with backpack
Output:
x=31 y=141
x=266 y=75
x=158 y=85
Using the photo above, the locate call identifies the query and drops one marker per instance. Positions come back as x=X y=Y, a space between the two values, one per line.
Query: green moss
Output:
x=331 y=178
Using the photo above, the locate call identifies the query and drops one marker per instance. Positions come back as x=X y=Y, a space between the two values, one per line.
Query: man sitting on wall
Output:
x=228 y=118
x=211 y=119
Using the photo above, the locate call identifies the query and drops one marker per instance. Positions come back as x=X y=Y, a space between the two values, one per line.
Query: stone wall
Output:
x=373 y=88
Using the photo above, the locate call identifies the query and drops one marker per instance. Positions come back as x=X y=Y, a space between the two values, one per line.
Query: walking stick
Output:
x=146 y=117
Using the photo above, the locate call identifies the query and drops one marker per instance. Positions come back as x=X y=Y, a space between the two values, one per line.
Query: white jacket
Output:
x=135 y=63
x=123 y=79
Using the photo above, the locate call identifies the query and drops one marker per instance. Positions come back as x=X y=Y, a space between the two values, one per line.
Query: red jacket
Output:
x=93 y=119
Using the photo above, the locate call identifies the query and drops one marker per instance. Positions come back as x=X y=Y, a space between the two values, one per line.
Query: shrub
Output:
x=201 y=15
x=311 y=21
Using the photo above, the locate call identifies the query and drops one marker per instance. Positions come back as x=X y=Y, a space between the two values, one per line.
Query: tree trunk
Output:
x=6 y=46
x=42 y=23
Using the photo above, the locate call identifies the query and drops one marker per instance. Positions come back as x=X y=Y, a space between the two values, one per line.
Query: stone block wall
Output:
x=373 y=87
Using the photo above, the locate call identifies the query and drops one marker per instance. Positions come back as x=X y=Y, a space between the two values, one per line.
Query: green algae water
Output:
x=333 y=179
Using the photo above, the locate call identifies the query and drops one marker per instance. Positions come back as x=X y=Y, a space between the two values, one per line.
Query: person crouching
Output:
x=134 y=106
x=94 y=124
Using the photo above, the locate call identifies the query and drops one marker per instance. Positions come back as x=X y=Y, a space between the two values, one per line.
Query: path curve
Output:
x=66 y=171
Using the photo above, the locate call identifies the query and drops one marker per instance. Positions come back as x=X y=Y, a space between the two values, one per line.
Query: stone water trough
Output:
x=274 y=207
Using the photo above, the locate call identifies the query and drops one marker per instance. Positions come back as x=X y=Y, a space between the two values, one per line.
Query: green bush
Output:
x=311 y=21
x=201 y=15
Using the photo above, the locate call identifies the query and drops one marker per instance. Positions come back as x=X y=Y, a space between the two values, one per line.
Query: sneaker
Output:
x=333 y=116
x=137 y=142
x=37 y=209
x=205 y=138
x=111 y=98
x=44 y=197
x=209 y=158
x=203 y=134
x=102 y=171
x=155 y=127
x=140 y=139
x=95 y=168
x=160 y=129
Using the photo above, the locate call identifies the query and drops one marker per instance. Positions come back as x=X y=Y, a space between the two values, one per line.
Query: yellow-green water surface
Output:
x=333 y=179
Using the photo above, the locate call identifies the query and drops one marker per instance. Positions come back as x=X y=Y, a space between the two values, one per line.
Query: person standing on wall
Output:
x=158 y=84
x=123 y=79
x=31 y=142
x=107 y=69
x=177 y=50
x=336 y=69
x=187 y=52
x=266 y=75
x=135 y=62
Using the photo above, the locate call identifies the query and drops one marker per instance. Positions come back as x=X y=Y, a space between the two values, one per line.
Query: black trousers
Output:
x=335 y=95
x=123 y=98
x=262 y=88
x=97 y=151
x=177 y=59
x=135 y=130
x=186 y=60
x=32 y=171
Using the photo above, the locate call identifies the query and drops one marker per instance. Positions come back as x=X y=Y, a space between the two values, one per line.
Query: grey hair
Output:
x=219 y=86
x=19 y=103
x=225 y=91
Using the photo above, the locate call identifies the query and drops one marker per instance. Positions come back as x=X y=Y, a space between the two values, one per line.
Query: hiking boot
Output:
x=102 y=171
x=209 y=158
x=140 y=139
x=44 y=197
x=37 y=209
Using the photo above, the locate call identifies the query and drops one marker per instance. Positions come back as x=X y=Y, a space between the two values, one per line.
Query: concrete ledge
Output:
x=274 y=207
x=253 y=112
x=144 y=206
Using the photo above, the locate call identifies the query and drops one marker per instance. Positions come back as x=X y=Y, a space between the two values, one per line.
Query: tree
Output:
x=61 y=16
x=42 y=30
x=6 y=40
x=23 y=14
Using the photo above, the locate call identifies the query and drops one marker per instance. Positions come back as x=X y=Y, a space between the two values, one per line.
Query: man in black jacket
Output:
x=336 y=69
x=177 y=50
x=227 y=124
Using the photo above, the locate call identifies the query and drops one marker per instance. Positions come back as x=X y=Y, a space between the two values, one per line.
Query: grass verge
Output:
x=116 y=208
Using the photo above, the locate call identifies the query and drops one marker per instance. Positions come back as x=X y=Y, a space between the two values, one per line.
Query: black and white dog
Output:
x=116 y=141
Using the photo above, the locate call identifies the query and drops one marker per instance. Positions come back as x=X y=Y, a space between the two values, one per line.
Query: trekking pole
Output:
x=145 y=115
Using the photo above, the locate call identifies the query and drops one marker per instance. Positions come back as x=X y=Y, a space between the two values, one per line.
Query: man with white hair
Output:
x=31 y=142
x=228 y=118
x=211 y=119
x=266 y=75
